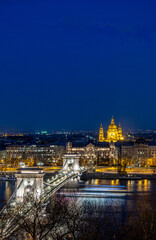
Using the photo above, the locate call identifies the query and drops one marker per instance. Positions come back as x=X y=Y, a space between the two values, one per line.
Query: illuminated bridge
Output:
x=30 y=186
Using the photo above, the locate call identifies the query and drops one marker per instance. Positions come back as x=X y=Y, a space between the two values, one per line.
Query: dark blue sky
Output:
x=74 y=64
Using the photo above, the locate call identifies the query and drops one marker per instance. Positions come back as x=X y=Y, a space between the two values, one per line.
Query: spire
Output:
x=120 y=136
x=112 y=120
x=101 y=134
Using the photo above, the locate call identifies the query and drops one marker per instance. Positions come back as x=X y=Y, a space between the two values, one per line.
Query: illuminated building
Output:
x=2 y=156
x=97 y=153
x=120 y=136
x=114 y=134
x=139 y=153
x=27 y=154
x=101 y=134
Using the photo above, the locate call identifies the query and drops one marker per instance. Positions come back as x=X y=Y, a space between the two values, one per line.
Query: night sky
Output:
x=74 y=64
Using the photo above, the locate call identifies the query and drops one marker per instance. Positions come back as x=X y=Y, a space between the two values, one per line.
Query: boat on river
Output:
x=130 y=177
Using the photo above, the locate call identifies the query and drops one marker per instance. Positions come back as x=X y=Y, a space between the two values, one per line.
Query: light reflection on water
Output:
x=122 y=192
x=6 y=190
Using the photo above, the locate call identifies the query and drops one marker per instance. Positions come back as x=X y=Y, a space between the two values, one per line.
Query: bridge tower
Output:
x=71 y=162
x=29 y=182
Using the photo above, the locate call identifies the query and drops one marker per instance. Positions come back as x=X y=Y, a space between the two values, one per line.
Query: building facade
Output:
x=139 y=153
x=94 y=153
x=101 y=134
x=28 y=154
x=114 y=134
x=2 y=156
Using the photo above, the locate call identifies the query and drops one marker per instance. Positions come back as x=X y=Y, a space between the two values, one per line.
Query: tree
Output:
x=69 y=218
x=37 y=224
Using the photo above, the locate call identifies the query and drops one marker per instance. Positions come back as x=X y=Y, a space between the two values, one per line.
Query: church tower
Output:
x=101 y=134
x=120 y=136
x=112 y=133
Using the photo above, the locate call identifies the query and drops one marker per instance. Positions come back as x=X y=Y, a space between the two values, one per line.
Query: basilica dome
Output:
x=112 y=126
x=112 y=133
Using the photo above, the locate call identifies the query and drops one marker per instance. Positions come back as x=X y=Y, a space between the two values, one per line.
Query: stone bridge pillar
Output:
x=71 y=162
x=29 y=182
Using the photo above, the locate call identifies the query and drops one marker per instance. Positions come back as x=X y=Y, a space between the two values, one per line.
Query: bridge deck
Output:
x=9 y=212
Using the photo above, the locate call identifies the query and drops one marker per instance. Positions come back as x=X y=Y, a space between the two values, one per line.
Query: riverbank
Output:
x=129 y=170
x=98 y=172
x=47 y=169
x=101 y=175
x=102 y=169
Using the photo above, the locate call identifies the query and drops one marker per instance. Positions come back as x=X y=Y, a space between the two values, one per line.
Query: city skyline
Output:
x=73 y=65
x=77 y=119
x=50 y=130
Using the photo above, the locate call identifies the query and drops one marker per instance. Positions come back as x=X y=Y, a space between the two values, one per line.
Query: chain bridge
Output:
x=31 y=186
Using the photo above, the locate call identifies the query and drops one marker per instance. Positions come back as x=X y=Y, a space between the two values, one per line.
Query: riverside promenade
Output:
x=101 y=172
x=112 y=173
x=99 y=175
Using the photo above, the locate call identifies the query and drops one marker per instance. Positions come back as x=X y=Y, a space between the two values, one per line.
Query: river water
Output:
x=123 y=192
x=6 y=190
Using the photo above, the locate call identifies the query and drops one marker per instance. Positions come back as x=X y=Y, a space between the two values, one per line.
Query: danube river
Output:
x=123 y=192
